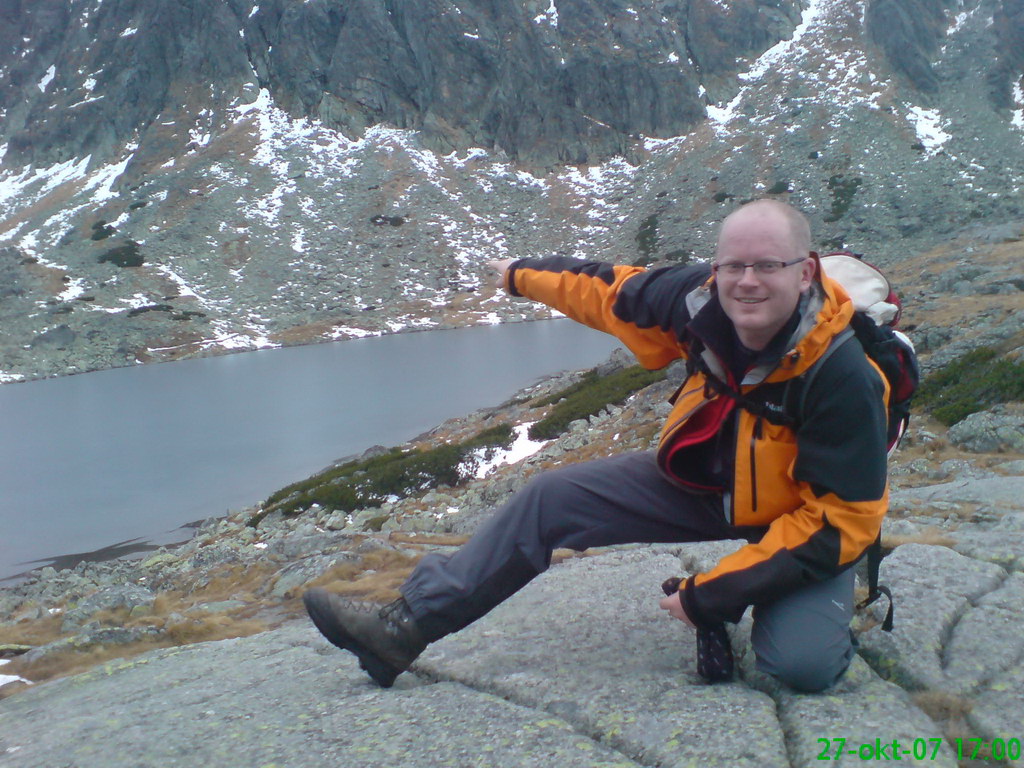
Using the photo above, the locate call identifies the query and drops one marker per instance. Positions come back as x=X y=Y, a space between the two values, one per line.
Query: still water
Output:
x=93 y=460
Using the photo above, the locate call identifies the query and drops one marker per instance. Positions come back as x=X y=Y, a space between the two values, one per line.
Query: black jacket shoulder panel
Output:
x=657 y=298
x=841 y=434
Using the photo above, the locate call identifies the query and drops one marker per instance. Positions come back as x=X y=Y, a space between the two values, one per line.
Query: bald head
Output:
x=766 y=211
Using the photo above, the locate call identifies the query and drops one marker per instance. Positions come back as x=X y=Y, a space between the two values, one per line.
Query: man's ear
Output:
x=809 y=268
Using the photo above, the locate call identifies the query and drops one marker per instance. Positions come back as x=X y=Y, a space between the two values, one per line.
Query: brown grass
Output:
x=35 y=633
x=930 y=535
x=950 y=711
x=375 y=578
x=72 y=662
x=942 y=706
x=233 y=582
x=428 y=539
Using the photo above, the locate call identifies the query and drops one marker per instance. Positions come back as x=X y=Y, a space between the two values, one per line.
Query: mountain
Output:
x=186 y=177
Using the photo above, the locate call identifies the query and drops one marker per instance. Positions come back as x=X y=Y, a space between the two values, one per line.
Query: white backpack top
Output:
x=868 y=287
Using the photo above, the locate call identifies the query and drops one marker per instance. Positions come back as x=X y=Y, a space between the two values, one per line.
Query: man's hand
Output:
x=674 y=605
x=499 y=267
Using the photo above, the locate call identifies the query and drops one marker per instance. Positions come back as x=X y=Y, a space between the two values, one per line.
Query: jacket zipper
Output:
x=754 y=437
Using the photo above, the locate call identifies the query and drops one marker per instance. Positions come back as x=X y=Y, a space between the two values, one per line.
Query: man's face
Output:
x=759 y=305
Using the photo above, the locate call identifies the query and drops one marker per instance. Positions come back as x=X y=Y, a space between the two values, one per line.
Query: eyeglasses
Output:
x=736 y=268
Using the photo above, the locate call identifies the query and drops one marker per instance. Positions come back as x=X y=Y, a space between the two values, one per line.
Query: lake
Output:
x=132 y=454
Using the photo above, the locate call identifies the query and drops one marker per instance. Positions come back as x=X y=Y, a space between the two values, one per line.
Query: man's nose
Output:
x=749 y=276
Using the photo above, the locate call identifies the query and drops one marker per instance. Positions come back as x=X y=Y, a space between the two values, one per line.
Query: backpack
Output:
x=873 y=325
x=878 y=311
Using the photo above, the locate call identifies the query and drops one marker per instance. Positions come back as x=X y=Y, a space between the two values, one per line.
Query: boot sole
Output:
x=323 y=618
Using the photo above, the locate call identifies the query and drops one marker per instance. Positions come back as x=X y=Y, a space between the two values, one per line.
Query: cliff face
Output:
x=183 y=177
x=551 y=84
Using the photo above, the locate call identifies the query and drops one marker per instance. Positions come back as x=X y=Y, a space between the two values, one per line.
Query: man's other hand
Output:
x=499 y=267
x=674 y=605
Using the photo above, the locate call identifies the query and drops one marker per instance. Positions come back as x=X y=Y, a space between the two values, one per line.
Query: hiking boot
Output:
x=385 y=640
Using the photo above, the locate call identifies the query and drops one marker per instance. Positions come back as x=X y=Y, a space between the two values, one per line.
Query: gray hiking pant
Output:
x=802 y=639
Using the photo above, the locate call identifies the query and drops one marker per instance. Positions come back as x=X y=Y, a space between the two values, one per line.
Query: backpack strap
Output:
x=876 y=590
x=808 y=376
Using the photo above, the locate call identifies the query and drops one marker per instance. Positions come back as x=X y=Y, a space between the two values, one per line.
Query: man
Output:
x=808 y=497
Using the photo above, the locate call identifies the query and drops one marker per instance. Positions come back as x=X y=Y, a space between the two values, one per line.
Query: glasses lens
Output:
x=768 y=267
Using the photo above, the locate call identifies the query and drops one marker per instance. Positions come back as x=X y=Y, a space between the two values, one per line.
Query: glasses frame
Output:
x=754 y=266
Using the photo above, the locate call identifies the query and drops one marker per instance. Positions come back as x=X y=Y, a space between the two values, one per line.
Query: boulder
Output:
x=941 y=620
x=1000 y=428
x=128 y=596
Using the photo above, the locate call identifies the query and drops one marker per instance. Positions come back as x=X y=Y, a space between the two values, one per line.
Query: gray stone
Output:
x=285 y=698
x=703 y=556
x=864 y=711
x=129 y=596
x=933 y=588
x=213 y=555
x=295 y=575
x=1001 y=492
x=91 y=636
x=299 y=545
x=221 y=606
x=998 y=429
x=996 y=710
x=616 y=667
x=987 y=640
x=1000 y=541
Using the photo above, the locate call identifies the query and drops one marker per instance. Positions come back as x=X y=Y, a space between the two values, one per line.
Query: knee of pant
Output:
x=807 y=675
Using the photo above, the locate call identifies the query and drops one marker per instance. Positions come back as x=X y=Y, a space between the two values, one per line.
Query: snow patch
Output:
x=47 y=78
x=5 y=679
x=1017 y=118
x=485 y=460
x=781 y=50
x=928 y=126
x=550 y=16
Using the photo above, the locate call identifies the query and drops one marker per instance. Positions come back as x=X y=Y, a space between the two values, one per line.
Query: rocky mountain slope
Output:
x=186 y=178
x=546 y=676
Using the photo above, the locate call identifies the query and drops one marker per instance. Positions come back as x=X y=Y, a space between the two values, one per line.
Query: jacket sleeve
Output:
x=645 y=309
x=840 y=473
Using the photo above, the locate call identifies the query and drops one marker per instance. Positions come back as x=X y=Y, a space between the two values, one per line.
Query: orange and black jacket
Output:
x=809 y=496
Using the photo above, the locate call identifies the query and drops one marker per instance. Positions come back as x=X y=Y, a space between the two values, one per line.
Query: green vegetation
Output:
x=150 y=308
x=971 y=383
x=101 y=230
x=647 y=235
x=126 y=255
x=843 y=190
x=369 y=482
x=589 y=396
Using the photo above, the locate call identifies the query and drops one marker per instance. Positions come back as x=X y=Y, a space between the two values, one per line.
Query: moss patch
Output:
x=647 y=236
x=843 y=191
x=369 y=482
x=973 y=382
x=589 y=396
x=126 y=255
